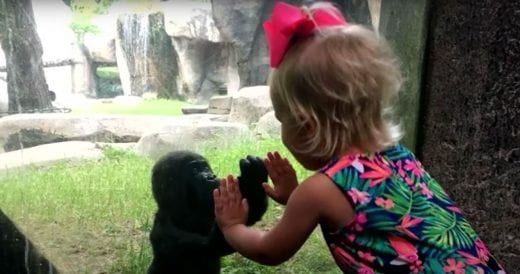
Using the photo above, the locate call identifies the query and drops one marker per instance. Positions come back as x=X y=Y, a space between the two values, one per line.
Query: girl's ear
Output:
x=309 y=127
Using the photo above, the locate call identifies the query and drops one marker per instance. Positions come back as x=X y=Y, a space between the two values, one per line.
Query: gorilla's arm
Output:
x=252 y=174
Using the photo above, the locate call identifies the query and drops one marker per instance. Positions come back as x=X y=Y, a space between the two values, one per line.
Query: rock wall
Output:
x=470 y=133
x=204 y=67
x=240 y=23
x=146 y=58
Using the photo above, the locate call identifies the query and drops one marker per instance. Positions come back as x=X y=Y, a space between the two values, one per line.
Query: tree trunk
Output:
x=26 y=85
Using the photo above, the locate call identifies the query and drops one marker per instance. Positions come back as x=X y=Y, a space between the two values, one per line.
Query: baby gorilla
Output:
x=184 y=236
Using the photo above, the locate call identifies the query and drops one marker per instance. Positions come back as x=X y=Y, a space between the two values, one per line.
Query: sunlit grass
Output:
x=94 y=217
x=147 y=107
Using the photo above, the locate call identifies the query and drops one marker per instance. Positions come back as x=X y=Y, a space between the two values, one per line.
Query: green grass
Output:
x=107 y=72
x=148 y=107
x=94 y=217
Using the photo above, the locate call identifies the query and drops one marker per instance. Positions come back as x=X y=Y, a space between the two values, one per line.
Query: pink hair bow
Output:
x=288 y=22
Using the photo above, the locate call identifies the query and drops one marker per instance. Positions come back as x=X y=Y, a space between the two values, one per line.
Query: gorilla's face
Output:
x=180 y=175
x=202 y=181
x=201 y=171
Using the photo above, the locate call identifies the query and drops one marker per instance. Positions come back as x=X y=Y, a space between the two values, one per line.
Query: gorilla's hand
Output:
x=252 y=174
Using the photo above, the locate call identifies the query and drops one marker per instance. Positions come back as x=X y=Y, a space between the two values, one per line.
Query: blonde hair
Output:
x=341 y=83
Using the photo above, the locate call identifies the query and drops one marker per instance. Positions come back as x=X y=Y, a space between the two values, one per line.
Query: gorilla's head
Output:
x=182 y=173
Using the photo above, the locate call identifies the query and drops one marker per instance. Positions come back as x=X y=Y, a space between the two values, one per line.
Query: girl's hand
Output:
x=282 y=175
x=230 y=208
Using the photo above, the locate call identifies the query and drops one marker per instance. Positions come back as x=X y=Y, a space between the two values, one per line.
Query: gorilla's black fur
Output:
x=18 y=254
x=184 y=236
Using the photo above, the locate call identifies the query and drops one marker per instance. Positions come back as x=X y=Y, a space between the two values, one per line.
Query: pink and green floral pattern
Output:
x=404 y=222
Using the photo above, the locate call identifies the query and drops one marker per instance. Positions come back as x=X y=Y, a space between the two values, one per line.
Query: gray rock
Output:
x=146 y=59
x=240 y=22
x=48 y=154
x=220 y=104
x=120 y=146
x=249 y=104
x=190 y=19
x=204 y=67
x=195 y=110
x=268 y=126
x=192 y=137
x=37 y=129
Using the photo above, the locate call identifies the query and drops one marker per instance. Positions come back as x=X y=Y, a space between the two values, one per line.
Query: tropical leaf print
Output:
x=395 y=153
x=448 y=230
x=401 y=197
x=432 y=266
x=434 y=251
x=340 y=164
x=421 y=206
x=376 y=244
x=346 y=179
x=377 y=171
x=437 y=190
x=404 y=220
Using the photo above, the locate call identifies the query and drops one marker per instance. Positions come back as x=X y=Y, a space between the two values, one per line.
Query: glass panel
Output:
x=94 y=92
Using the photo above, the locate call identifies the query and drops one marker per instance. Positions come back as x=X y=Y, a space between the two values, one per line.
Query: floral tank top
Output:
x=404 y=221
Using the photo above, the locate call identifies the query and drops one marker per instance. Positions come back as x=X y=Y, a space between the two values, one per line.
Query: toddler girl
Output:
x=332 y=88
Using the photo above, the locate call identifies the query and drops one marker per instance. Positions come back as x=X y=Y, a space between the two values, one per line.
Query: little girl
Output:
x=380 y=212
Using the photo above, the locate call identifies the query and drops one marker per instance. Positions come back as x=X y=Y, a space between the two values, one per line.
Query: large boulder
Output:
x=249 y=104
x=220 y=104
x=268 y=126
x=195 y=137
x=28 y=130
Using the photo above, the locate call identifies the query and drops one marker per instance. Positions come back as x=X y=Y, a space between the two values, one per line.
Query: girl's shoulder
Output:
x=388 y=157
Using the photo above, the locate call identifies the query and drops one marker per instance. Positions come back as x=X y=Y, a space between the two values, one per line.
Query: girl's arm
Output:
x=301 y=216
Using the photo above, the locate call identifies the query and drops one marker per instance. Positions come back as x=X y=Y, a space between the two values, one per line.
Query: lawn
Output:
x=95 y=216
x=147 y=107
